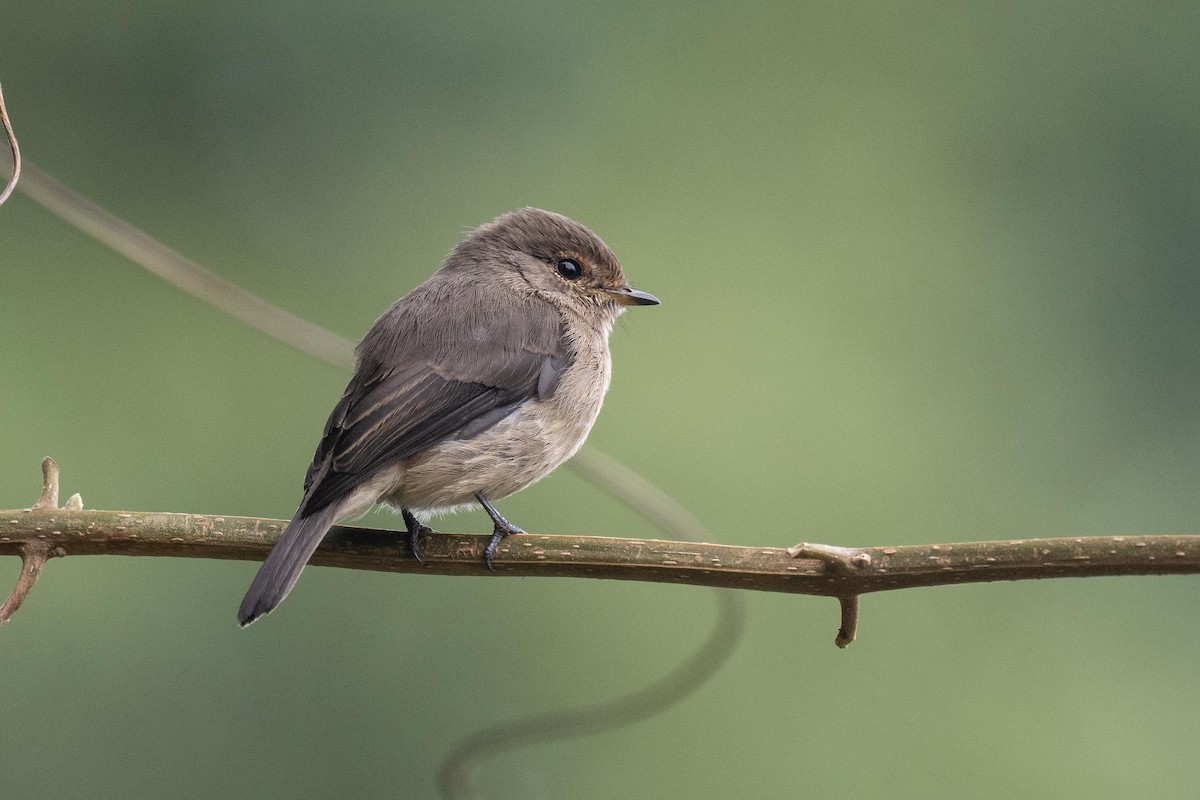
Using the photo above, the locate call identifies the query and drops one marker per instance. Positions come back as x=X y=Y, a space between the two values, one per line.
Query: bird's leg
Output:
x=501 y=528
x=415 y=529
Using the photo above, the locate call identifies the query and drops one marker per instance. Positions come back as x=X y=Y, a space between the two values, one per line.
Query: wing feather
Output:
x=422 y=379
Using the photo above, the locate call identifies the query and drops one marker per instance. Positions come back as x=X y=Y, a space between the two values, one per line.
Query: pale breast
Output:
x=518 y=450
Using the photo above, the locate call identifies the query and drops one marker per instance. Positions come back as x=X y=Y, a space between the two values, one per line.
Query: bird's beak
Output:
x=632 y=297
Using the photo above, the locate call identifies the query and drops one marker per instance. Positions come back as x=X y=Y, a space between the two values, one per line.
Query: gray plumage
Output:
x=476 y=384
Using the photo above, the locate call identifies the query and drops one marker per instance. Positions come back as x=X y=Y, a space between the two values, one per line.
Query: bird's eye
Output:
x=569 y=268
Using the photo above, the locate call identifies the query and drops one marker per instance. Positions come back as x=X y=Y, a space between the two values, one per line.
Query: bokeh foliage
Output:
x=929 y=271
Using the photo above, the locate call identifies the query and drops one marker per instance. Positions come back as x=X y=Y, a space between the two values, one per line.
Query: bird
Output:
x=474 y=385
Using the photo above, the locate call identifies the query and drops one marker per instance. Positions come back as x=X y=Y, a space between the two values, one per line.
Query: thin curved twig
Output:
x=13 y=147
x=456 y=776
x=180 y=271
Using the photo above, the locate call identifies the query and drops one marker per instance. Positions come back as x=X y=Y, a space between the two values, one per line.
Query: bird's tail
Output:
x=285 y=562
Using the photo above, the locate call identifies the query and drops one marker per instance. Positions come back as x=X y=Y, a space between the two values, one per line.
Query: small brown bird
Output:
x=474 y=385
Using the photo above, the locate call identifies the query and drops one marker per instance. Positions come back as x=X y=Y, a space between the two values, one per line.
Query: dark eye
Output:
x=569 y=269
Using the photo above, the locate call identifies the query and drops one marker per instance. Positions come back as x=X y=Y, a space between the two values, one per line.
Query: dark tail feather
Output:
x=285 y=562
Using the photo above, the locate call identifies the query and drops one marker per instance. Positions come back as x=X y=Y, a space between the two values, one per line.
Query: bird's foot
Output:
x=415 y=531
x=501 y=528
x=498 y=533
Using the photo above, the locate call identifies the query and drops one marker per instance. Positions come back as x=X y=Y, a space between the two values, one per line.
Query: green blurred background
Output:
x=929 y=273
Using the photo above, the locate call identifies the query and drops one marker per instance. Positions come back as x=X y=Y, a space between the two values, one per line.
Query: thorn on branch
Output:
x=33 y=558
x=848 y=559
x=35 y=554
x=843 y=559
x=849 y=627
x=49 y=499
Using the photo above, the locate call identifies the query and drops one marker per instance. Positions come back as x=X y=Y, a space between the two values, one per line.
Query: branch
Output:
x=767 y=569
x=843 y=573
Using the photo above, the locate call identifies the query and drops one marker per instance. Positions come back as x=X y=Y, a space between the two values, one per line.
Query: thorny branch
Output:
x=842 y=573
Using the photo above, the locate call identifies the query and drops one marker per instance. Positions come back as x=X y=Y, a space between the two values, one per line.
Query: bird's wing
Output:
x=460 y=380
